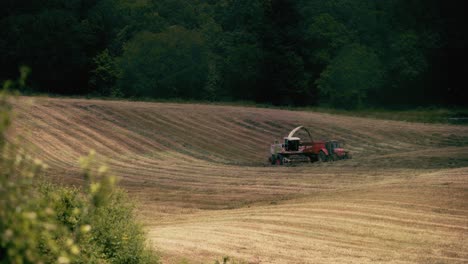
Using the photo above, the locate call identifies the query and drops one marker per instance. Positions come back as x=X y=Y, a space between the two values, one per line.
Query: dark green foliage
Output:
x=273 y=51
x=106 y=74
x=329 y=34
x=172 y=63
x=351 y=77
x=283 y=79
x=49 y=41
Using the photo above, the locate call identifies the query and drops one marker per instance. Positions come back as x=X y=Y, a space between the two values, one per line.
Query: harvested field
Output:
x=206 y=191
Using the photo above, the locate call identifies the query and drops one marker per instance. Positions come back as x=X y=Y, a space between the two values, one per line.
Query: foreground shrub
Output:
x=41 y=222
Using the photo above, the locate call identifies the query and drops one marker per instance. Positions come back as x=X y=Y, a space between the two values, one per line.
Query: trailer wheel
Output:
x=322 y=157
x=335 y=157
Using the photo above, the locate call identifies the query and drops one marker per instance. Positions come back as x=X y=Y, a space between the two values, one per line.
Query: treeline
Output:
x=347 y=53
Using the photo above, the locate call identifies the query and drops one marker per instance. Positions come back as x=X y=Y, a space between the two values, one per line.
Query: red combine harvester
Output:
x=294 y=149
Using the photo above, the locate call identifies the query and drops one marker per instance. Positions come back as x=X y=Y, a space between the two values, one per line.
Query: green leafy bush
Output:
x=41 y=222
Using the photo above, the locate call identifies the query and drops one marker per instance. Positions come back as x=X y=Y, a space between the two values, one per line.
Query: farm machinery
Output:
x=295 y=149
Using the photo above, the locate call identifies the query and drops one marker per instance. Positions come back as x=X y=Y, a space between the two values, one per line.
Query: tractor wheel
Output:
x=334 y=157
x=322 y=157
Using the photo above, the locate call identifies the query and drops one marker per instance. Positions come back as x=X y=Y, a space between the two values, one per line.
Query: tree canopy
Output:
x=345 y=53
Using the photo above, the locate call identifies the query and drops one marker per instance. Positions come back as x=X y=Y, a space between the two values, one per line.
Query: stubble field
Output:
x=206 y=191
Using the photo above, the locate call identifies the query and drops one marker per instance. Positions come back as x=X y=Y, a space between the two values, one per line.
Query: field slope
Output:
x=206 y=191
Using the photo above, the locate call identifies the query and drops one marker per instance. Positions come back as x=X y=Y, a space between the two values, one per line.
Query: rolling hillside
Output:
x=206 y=190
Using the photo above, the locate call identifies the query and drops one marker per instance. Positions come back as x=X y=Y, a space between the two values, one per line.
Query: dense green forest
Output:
x=341 y=53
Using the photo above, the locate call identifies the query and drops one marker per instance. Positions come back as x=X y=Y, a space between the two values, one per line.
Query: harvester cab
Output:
x=291 y=143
